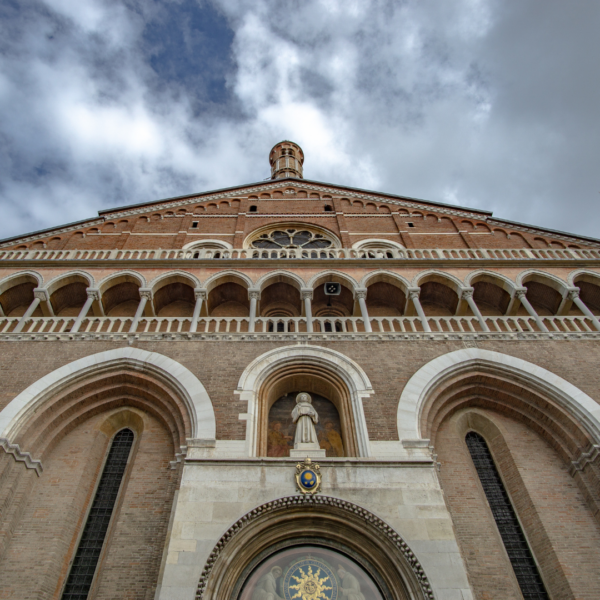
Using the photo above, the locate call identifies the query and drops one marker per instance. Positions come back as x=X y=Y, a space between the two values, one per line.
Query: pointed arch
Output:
x=280 y=276
x=421 y=389
x=174 y=277
x=227 y=276
x=199 y=418
x=70 y=277
x=492 y=277
x=387 y=277
x=351 y=375
x=119 y=277
x=548 y=279
x=20 y=277
x=343 y=278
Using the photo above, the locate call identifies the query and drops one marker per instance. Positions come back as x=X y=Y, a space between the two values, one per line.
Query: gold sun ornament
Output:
x=310 y=586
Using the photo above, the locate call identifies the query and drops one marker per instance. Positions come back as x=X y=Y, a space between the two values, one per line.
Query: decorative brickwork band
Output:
x=584 y=459
x=317 y=501
x=21 y=456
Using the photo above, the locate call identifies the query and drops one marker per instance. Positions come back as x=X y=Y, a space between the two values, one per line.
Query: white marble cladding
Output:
x=214 y=494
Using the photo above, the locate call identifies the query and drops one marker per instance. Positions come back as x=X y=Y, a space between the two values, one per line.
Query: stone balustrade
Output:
x=321 y=325
x=382 y=253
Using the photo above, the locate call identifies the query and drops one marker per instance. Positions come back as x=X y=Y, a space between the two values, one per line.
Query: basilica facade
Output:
x=299 y=390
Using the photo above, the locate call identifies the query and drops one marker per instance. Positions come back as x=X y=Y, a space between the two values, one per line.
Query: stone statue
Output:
x=306 y=418
x=350 y=587
x=266 y=588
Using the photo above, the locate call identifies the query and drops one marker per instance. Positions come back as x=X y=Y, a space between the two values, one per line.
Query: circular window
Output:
x=291 y=238
x=309 y=573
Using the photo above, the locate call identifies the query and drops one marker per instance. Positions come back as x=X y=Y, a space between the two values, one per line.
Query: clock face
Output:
x=332 y=289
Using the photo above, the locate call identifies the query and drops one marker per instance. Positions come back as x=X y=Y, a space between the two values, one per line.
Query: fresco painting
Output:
x=309 y=573
x=280 y=436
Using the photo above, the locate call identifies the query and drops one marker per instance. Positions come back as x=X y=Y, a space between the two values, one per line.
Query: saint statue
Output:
x=266 y=588
x=306 y=417
x=350 y=587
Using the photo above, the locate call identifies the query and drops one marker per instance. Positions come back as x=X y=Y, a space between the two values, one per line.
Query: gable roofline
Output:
x=296 y=181
x=486 y=215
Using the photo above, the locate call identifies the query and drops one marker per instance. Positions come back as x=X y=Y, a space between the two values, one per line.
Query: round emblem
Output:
x=309 y=579
x=308 y=479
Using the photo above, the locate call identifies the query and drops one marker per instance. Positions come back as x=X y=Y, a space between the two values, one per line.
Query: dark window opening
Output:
x=328 y=208
x=411 y=224
x=90 y=546
x=508 y=525
x=253 y=208
x=194 y=224
x=196 y=254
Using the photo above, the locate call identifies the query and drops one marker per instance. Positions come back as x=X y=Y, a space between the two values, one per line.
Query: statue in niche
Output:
x=350 y=587
x=305 y=416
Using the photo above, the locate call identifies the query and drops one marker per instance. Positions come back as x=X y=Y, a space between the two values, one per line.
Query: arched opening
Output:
x=589 y=292
x=281 y=428
x=545 y=299
x=280 y=299
x=17 y=295
x=360 y=555
x=121 y=296
x=175 y=300
x=68 y=295
x=332 y=306
x=331 y=396
x=438 y=299
x=229 y=299
x=491 y=295
x=384 y=299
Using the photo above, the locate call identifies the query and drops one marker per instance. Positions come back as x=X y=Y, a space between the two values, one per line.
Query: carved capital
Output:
x=467 y=293
x=413 y=293
x=306 y=293
x=41 y=294
x=360 y=293
x=146 y=293
x=94 y=293
x=573 y=293
x=520 y=293
x=254 y=294
x=200 y=294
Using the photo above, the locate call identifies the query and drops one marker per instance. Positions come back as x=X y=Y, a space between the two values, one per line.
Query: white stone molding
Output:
x=573 y=275
x=280 y=275
x=351 y=373
x=188 y=387
x=584 y=459
x=542 y=277
x=380 y=242
x=208 y=242
x=322 y=275
x=387 y=276
x=285 y=223
x=162 y=280
x=454 y=283
x=416 y=392
x=318 y=502
x=501 y=280
x=66 y=278
x=106 y=283
x=226 y=276
x=21 y=277
x=21 y=456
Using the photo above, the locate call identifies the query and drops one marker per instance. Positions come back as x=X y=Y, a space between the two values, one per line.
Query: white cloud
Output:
x=475 y=102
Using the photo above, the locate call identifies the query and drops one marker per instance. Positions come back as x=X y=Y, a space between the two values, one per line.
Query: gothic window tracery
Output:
x=281 y=239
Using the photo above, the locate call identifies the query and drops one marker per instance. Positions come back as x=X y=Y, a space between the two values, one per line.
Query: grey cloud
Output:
x=478 y=102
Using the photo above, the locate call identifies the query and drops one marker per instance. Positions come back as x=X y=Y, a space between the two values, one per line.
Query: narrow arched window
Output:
x=94 y=533
x=508 y=525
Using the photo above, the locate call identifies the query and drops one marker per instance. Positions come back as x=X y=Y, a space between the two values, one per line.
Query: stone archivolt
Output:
x=305 y=517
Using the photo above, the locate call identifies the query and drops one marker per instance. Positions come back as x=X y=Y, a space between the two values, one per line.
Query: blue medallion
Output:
x=310 y=579
x=308 y=478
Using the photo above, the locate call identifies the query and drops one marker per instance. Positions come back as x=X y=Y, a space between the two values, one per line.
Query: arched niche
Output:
x=281 y=428
x=359 y=536
x=310 y=369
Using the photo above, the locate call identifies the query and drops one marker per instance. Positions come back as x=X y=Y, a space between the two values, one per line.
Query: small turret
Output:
x=286 y=160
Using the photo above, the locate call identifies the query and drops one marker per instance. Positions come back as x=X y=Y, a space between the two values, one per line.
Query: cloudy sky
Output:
x=485 y=103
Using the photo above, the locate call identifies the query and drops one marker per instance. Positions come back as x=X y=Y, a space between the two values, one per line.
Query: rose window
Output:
x=291 y=238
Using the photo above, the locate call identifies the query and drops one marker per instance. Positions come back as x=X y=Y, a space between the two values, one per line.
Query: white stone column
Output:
x=201 y=295
x=145 y=295
x=521 y=294
x=467 y=294
x=39 y=295
x=307 y=296
x=361 y=295
x=92 y=294
x=574 y=296
x=413 y=294
x=254 y=296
